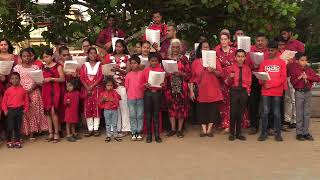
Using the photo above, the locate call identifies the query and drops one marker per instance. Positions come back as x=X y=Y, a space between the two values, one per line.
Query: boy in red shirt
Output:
x=110 y=103
x=14 y=104
x=240 y=81
x=272 y=90
x=302 y=79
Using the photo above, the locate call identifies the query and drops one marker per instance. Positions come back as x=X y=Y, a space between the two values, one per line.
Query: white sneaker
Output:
x=139 y=137
x=134 y=137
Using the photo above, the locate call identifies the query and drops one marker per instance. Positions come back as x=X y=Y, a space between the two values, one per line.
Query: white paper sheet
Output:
x=70 y=66
x=244 y=42
x=287 y=55
x=170 y=66
x=257 y=57
x=36 y=75
x=114 y=39
x=264 y=76
x=196 y=45
x=144 y=61
x=153 y=36
x=106 y=69
x=6 y=67
x=209 y=58
x=80 y=59
x=156 y=78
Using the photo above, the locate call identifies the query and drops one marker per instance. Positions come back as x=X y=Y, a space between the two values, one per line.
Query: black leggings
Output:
x=152 y=104
x=14 y=121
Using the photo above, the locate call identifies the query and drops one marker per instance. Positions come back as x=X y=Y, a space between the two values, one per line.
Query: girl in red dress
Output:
x=71 y=104
x=91 y=77
x=34 y=59
x=53 y=76
x=120 y=56
x=176 y=93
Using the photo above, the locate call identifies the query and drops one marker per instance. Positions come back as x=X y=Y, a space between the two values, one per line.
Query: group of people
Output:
x=227 y=96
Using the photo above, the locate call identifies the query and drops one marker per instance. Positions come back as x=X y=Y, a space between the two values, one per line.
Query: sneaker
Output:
x=71 y=139
x=171 y=133
x=262 y=137
x=180 y=134
x=231 y=138
x=308 y=137
x=300 y=137
x=18 y=145
x=134 y=137
x=278 y=137
x=10 y=144
x=242 y=138
x=139 y=137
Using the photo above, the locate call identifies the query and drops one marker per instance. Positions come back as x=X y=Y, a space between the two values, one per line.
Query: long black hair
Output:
x=10 y=47
x=123 y=44
x=199 y=49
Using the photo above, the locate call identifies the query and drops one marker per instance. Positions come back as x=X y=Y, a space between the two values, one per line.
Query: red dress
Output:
x=177 y=93
x=91 y=101
x=51 y=90
x=71 y=109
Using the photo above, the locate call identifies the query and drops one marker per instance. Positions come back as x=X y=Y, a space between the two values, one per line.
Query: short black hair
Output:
x=272 y=44
x=155 y=11
x=286 y=29
x=154 y=55
x=240 y=51
x=59 y=40
x=299 y=55
x=135 y=58
x=63 y=49
x=261 y=34
x=15 y=74
x=111 y=16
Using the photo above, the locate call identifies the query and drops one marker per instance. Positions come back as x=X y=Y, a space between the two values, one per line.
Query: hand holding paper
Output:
x=287 y=55
x=257 y=58
x=170 y=66
x=79 y=59
x=153 y=36
x=264 y=76
x=156 y=78
x=209 y=58
x=37 y=76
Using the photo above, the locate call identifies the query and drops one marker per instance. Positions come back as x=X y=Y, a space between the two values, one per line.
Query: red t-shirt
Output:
x=14 y=97
x=145 y=76
x=295 y=45
x=112 y=100
x=133 y=85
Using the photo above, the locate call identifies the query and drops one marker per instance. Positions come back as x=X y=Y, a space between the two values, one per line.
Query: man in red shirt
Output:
x=105 y=36
x=272 y=91
x=289 y=99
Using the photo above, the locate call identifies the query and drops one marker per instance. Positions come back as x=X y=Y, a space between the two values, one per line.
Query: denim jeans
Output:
x=267 y=103
x=136 y=115
x=111 y=119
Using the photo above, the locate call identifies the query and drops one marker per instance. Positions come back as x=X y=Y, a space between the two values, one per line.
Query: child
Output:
x=152 y=99
x=146 y=47
x=240 y=81
x=71 y=103
x=135 y=98
x=14 y=104
x=302 y=79
x=137 y=48
x=110 y=104
x=272 y=90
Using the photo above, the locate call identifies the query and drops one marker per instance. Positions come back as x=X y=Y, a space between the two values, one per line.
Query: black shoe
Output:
x=262 y=137
x=149 y=139
x=171 y=133
x=242 y=138
x=278 y=137
x=308 y=137
x=210 y=134
x=71 y=139
x=158 y=139
x=96 y=133
x=253 y=131
x=108 y=139
x=292 y=126
x=300 y=137
x=77 y=136
x=231 y=138
x=180 y=134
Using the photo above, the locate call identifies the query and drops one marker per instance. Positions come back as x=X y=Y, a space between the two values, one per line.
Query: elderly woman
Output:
x=176 y=92
x=205 y=91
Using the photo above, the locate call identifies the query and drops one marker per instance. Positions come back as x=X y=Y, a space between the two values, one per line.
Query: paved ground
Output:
x=191 y=158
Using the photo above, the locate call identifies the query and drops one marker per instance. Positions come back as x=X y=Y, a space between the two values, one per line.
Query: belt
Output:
x=304 y=90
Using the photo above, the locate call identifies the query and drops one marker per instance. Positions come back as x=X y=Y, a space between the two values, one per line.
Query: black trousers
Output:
x=254 y=103
x=14 y=122
x=238 y=103
x=152 y=105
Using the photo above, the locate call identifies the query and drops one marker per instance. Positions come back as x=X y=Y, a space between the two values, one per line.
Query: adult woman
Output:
x=120 y=56
x=205 y=90
x=176 y=92
x=53 y=76
x=34 y=120
x=91 y=78
x=86 y=44
x=34 y=59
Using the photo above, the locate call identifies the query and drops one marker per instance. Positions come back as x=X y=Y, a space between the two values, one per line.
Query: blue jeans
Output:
x=136 y=115
x=111 y=119
x=267 y=103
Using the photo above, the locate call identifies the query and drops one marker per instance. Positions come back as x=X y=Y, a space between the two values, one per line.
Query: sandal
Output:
x=56 y=140
x=108 y=139
x=118 y=139
x=96 y=133
x=50 y=138
x=10 y=145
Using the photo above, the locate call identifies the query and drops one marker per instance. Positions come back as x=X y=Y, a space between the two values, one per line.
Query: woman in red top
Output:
x=53 y=76
x=120 y=56
x=205 y=89
x=91 y=78
x=176 y=93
